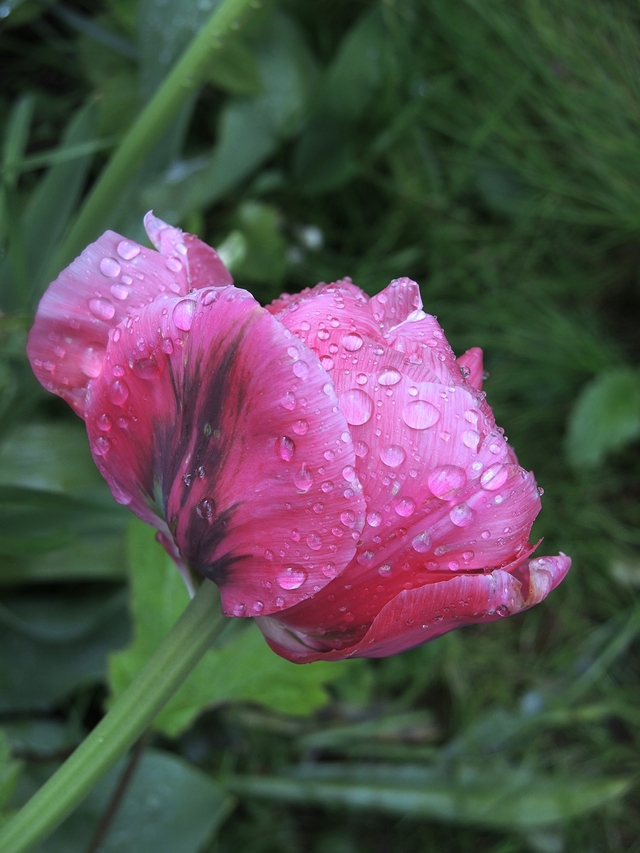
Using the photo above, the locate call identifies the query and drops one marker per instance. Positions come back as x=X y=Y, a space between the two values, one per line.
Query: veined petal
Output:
x=417 y=615
x=111 y=279
x=399 y=301
x=211 y=415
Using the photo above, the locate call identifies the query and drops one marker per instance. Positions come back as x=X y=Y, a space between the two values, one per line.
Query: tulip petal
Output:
x=471 y=365
x=399 y=301
x=112 y=278
x=210 y=414
x=417 y=615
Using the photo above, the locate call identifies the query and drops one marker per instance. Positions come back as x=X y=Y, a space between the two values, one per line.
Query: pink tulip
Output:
x=325 y=460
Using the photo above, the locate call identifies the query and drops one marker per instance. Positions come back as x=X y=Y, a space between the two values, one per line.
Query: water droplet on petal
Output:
x=330 y=571
x=103 y=309
x=258 y=606
x=300 y=369
x=128 y=250
x=461 y=515
x=109 y=267
x=374 y=519
x=101 y=446
x=292 y=577
x=384 y=570
x=119 y=291
x=303 y=479
x=356 y=406
x=352 y=342
x=206 y=508
x=503 y=610
x=361 y=448
x=405 y=507
x=393 y=456
x=314 y=541
x=286 y=448
x=348 y=518
x=421 y=543
x=362 y=378
x=183 y=314
x=288 y=401
x=173 y=264
x=444 y=481
x=494 y=477
x=91 y=361
x=389 y=376
x=104 y=423
x=420 y=415
x=470 y=438
x=326 y=361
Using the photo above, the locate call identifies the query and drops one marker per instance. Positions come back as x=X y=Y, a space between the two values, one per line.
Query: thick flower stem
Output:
x=184 y=78
x=130 y=715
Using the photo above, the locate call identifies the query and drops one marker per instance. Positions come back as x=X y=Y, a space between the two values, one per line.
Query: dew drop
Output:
x=374 y=519
x=206 y=508
x=326 y=361
x=421 y=543
x=183 y=314
x=389 y=376
x=279 y=601
x=258 y=606
x=109 y=267
x=330 y=571
x=103 y=309
x=104 y=423
x=384 y=570
x=239 y=609
x=128 y=250
x=470 y=438
x=461 y=515
x=405 y=507
x=91 y=361
x=486 y=534
x=288 y=401
x=314 y=541
x=352 y=342
x=292 y=577
x=362 y=378
x=494 y=477
x=419 y=414
x=356 y=406
x=300 y=369
x=446 y=480
x=300 y=427
x=348 y=518
x=393 y=456
x=101 y=445
x=119 y=291
x=361 y=448
x=323 y=334
x=174 y=265
x=303 y=479
x=167 y=346
x=286 y=448
x=503 y=610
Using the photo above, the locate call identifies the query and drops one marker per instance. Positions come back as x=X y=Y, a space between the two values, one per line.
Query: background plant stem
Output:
x=174 y=659
x=184 y=78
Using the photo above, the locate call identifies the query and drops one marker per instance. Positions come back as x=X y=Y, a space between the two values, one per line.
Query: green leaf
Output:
x=235 y=69
x=495 y=795
x=9 y=770
x=54 y=642
x=244 y=669
x=250 y=129
x=605 y=418
x=168 y=806
x=265 y=247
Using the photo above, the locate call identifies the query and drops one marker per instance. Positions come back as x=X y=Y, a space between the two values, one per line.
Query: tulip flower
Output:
x=326 y=460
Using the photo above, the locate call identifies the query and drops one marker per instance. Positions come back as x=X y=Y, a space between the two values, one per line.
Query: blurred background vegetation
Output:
x=490 y=151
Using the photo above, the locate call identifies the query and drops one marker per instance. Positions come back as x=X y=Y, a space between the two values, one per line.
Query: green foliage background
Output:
x=490 y=151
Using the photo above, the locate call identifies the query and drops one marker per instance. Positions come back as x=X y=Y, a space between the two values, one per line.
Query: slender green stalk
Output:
x=131 y=714
x=182 y=80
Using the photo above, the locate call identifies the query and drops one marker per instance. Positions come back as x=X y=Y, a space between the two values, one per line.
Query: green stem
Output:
x=128 y=718
x=182 y=80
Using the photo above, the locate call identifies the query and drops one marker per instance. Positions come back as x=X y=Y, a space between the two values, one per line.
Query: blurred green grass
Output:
x=488 y=150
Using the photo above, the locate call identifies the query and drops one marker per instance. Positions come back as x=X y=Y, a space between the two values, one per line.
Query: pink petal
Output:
x=286 y=301
x=200 y=264
x=471 y=361
x=418 y=615
x=399 y=301
x=112 y=278
x=210 y=414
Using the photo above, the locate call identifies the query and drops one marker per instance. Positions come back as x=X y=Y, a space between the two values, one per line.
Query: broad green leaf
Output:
x=244 y=669
x=605 y=417
x=250 y=129
x=54 y=200
x=54 y=642
x=235 y=69
x=169 y=806
x=496 y=795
